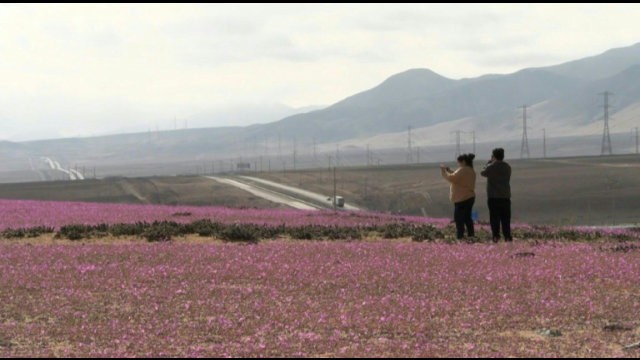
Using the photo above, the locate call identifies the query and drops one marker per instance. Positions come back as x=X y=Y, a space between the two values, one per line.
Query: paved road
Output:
x=55 y=165
x=595 y=164
x=301 y=192
x=267 y=194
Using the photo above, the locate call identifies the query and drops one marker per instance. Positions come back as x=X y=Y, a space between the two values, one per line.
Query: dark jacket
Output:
x=498 y=174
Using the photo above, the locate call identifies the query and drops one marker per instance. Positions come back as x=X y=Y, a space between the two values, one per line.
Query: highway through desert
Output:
x=283 y=194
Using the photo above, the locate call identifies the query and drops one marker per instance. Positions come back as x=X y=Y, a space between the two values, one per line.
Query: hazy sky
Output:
x=78 y=70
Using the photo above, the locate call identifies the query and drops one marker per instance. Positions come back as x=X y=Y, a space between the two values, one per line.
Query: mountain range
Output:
x=564 y=100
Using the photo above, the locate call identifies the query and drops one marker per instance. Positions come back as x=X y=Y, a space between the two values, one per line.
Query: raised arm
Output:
x=452 y=177
x=488 y=170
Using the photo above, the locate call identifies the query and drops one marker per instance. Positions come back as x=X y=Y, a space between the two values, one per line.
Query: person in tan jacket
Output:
x=462 y=192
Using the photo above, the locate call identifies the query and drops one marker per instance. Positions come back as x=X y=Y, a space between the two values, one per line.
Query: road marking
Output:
x=308 y=194
x=266 y=194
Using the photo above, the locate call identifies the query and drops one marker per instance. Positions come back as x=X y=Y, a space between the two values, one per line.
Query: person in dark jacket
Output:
x=498 y=174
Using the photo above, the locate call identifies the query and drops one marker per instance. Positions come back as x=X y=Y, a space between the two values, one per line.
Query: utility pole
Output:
x=524 y=148
x=457 y=132
x=544 y=143
x=295 y=149
x=279 y=147
x=606 y=138
x=473 y=133
x=368 y=156
x=337 y=154
x=409 y=150
x=334 y=189
x=315 y=158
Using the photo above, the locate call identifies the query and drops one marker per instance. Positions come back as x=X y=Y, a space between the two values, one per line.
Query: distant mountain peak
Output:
x=416 y=73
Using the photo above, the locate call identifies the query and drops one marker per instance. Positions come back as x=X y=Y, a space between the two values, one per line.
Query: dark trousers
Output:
x=500 y=214
x=462 y=217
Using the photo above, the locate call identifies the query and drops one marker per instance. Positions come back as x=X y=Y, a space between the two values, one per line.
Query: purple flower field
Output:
x=31 y=213
x=373 y=298
x=379 y=299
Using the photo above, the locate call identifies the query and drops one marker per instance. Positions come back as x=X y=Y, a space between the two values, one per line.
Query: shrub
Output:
x=396 y=230
x=307 y=232
x=240 y=233
x=13 y=233
x=185 y=213
x=338 y=233
x=136 y=229
x=270 y=232
x=426 y=232
x=161 y=231
x=206 y=227
x=75 y=231
x=39 y=230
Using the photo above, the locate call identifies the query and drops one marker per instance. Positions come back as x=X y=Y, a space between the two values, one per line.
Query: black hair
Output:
x=467 y=159
x=498 y=153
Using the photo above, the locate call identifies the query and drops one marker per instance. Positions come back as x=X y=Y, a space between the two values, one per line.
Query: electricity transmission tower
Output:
x=524 y=148
x=606 y=138
x=279 y=147
x=295 y=152
x=544 y=143
x=458 y=151
x=315 y=157
x=473 y=134
x=409 y=150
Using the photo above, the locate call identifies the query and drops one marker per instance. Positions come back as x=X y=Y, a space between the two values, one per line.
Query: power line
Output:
x=279 y=146
x=266 y=147
x=544 y=143
x=606 y=138
x=524 y=148
x=295 y=149
x=409 y=150
x=457 y=132
x=473 y=134
x=315 y=158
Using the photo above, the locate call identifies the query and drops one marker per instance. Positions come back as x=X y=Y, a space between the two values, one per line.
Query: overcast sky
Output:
x=79 y=70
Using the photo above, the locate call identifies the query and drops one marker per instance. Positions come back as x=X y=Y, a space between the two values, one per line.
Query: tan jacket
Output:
x=463 y=183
